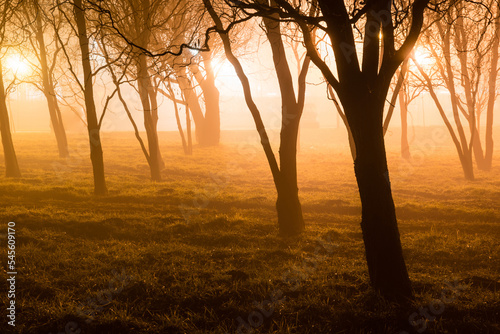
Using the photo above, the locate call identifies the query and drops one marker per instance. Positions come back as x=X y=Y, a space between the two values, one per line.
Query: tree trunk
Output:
x=290 y=218
x=150 y=120
x=464 y=154
x=11 y=165
x=477 y=148
x=403 y=106
x=96 y=155
x=153 y=97
x=288 y=207
x=193 y=102
x=492 y=81
x=386 y=265
x=50 y=95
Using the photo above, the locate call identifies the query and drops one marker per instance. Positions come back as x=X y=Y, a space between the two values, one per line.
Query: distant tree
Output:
x=7 y=9
x=159 y=33
x=139 y=22
x=189 y=72
x=37 y=27
x=405 y=90
x=209 y=134
x=464 y=49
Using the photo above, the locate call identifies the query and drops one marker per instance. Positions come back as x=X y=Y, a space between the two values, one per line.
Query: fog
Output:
x=249 y=166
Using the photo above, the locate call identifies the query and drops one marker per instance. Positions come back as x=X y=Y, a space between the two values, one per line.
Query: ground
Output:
x=199 y=251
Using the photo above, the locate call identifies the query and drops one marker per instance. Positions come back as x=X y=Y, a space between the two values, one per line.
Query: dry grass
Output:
x=203 y=274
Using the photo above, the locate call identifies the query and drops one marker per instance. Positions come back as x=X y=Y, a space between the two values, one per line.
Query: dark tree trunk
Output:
x=290 y=218
x=96 y=155
x=386 y=265
x=50 y=95
x=11 y=165
x=150 y=118
x=288 y=207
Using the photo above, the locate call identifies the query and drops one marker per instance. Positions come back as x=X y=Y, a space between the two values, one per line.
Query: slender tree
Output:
x=11 y=165
x=35 y=14
x=289 y=209
x=96 y=154
x=462 y=46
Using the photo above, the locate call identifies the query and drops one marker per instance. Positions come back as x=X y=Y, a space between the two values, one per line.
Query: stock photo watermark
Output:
x=11 y=273
x=96 y=304
x=420 y=319
x=294 y=277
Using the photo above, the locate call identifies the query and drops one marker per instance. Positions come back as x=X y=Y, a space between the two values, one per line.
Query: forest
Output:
x=249 y=166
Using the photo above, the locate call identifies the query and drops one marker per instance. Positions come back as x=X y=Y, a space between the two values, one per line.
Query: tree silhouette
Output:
x=289 y=209
x=38 y=27
x=7 y=9
x=464 y=49
x=362 y=84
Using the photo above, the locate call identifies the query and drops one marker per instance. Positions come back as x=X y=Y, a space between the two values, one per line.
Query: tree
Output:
x=93 y=126
x=208 y=123
x=288 y=207
x=463 y=53
x=11 y=165
x=406 y=88
x=138 y=22
x=34 y=13
x=150 y=28
x=362 y=84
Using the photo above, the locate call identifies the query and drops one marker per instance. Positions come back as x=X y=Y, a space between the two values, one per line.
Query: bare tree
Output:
x=361 y=84
x=75 y=12
x=34 y=13
x=7 y=9
x=463 y=52
x=406 y=89
x=289 y=209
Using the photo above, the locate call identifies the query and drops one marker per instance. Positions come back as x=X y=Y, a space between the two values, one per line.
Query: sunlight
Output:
x=18 y=66
x=422 y=57
x=226 y=77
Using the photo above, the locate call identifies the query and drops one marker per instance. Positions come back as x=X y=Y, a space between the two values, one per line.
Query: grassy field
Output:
x=199 y=251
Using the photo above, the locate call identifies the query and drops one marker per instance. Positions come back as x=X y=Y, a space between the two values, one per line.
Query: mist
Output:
x=249 y=167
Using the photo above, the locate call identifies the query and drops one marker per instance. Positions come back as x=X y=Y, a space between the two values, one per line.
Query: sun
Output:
x=422 y=57
x=18 y=66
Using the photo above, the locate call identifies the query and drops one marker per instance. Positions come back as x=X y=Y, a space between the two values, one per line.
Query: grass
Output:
x=199 y=253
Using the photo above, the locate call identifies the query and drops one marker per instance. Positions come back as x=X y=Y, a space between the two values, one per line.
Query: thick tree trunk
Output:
x=11 y=165
x=386 y=265
x=50 y=95
x=150 y=120
x=96 y=155
x=288 y=207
